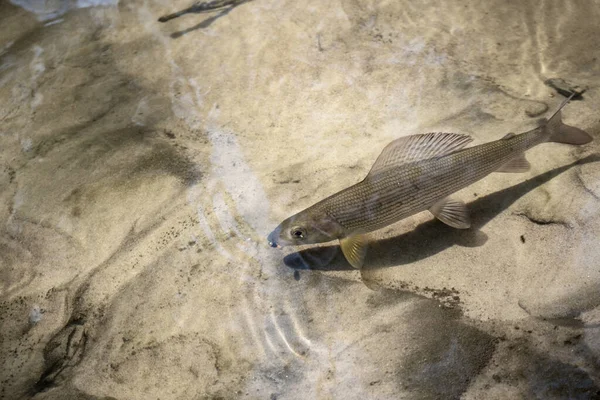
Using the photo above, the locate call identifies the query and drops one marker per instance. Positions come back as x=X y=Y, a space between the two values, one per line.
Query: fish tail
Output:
x=563 y=133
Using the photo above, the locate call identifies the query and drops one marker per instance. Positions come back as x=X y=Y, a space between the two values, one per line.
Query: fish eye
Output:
x=298 y=232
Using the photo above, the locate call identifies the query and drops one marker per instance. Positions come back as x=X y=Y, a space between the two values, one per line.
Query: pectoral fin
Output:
x=517 y=164
x=354 y=249
x=452 y=212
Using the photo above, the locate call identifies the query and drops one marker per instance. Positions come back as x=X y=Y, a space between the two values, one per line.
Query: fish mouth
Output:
x=272 y=239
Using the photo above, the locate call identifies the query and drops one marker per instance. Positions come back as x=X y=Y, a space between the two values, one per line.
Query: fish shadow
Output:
x=430 y=237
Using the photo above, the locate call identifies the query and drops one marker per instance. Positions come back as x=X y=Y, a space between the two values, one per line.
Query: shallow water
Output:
x=142 y=165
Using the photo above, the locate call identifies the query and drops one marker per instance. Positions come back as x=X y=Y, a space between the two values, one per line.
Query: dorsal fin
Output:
x=419 y=147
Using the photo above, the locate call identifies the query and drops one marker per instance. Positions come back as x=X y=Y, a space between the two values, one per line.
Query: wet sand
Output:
x=142 y=165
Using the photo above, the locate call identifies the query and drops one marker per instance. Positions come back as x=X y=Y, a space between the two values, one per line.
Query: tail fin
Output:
x=562 y=133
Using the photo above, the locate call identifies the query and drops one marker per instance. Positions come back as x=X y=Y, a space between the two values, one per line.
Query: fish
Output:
x=413 y=174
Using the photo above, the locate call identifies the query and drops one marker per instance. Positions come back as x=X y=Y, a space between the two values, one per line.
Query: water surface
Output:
x=142 y=165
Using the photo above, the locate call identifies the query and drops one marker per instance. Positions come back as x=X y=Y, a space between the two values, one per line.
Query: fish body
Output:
x=395 y=193
x=414 y=174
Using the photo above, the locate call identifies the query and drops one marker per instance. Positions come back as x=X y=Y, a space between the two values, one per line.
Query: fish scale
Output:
x=395 y=193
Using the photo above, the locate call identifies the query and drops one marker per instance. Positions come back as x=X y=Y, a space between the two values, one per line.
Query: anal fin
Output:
x=452 y=212
x=354 y=249
x=517 y=164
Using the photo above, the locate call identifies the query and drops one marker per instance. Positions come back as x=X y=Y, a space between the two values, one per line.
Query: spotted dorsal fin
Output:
x=418 y=147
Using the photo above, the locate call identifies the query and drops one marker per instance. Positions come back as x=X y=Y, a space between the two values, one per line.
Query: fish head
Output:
x=306 y=227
